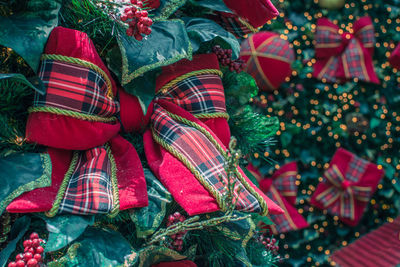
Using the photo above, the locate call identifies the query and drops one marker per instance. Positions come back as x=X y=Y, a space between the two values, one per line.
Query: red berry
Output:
x=127 y=9
x=27 y=243
x=144 y=13
x=28 y=256
x=39 y=249
x=124 y=17
x=31 y=250
x=34 y=235
x=130 y=14
x=37 y=257
x=20 y=263
x=147 y=31
x=273 y=240
x=35 y=243
x=138 y=37
x=26 y=249
x=129 y=31
x=12 y=264
x=20 y=256
x=32 y=263
x=139 y=4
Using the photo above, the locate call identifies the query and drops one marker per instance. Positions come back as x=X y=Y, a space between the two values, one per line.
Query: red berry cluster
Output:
x=137 y=19
x=269 y=243
x=32 y=256
x=225 y=59
x=177 y=239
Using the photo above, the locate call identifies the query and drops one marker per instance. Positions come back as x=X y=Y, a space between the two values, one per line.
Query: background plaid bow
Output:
x=341 y=196
x=281 y=187
x=343 y=55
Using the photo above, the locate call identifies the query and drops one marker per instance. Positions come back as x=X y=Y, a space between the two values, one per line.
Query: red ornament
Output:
x=268 y=58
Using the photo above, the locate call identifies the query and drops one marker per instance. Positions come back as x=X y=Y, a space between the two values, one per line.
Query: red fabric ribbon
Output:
x=281 y=187
x=342 y=55
x=348 y=184
x=340 y=197
x=395 y=57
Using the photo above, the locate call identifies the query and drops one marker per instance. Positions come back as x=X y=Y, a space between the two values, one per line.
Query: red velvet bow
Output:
x=341 y=195
x=343 y=55
x=395 y=57
x=282 y=189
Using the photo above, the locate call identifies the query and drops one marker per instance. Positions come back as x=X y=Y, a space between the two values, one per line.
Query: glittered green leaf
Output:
x=217 y=5
x=35 y=84
x=23 y=172
x=64 y=229
x=26 y=32
x=149 y=218
x=18 y=230
x=96 y=248
x=153 y=254
x=204 y=30
x=167 y=44
x=167 y=8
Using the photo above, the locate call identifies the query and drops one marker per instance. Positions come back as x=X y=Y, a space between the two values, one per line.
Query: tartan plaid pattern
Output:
x=352 y=57
x=75 y=88
x=280 y=220
x=366 y=36
x=340 y=197
x=325 y=36
x=330 y=71
x=232 y=24
x=286 y=184
x=89 y=190
x=199 y=94
x=201 y=154
x=356 y=169
x=257 y=74
x=278 y=47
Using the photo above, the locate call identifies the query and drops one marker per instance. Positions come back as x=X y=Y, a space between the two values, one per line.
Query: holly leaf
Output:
x=22 y=172
x=65 y=229
x=18 y=230
x=167 y=44
x=149 y=218
x=19 y=78
x=201 y=31
x=217 y=5
x=26 y=32
x=167 y=8
x=96 y=247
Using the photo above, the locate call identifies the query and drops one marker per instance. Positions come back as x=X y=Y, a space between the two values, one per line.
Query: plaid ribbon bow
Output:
x=340 y=197
x=202 y=95
x=343 y=55
x=282 y=189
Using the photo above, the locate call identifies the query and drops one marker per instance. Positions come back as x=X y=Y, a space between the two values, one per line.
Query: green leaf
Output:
x=26 y=32
x=217 y=5
x=64 y=229
x=259 y=218
x=375 y=123
x=21 y=173
x=167 y=44
x=286 y=138
x=149 y=218
x=96 y=248
x=18 y=230
x=19 y=78
x=204 y=30
x=167 y=8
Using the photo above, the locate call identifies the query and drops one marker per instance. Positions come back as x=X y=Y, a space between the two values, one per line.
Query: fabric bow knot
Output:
x=340 y=197
x=281 y=187
x=343 y=55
